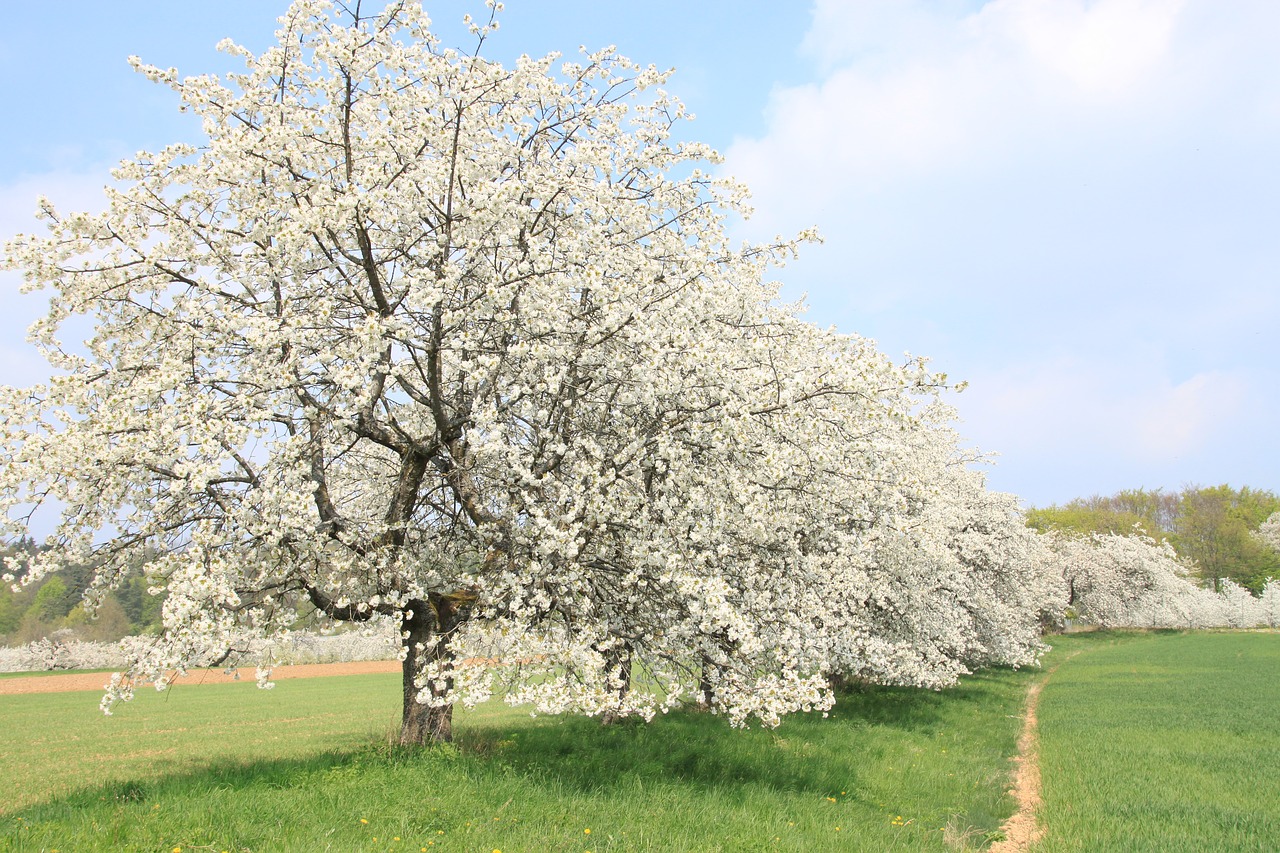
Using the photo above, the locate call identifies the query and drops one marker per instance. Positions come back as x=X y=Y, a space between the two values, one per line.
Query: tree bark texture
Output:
x=429 y=627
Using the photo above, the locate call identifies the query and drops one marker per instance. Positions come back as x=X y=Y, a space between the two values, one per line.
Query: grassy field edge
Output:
x=306 y=766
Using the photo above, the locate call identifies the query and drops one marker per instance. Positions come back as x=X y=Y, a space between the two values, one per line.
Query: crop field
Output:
x=1163 y=742
x=1148 y=742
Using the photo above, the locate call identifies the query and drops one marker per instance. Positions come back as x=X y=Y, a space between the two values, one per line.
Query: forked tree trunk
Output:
x=429 y=627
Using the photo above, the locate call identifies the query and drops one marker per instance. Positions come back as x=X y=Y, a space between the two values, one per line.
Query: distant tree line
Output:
x=36 y=611
x=1213 y=526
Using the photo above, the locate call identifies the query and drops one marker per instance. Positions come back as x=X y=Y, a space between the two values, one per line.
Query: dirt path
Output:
x=97 y=680
x=1023 y=829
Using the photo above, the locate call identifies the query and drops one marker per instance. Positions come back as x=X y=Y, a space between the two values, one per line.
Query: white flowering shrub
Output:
x=62 y=651
x=1133 y=581
x=1269 y=604
x=1269 y=532
x=1240 y=608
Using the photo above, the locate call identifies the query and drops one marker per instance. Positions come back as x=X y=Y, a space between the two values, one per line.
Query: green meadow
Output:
x=306 y=766
x=1163 y=742
x=1149 y=742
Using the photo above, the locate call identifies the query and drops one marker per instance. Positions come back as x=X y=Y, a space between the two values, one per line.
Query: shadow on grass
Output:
x=1103 y=635
x=907 y=708
x=806 y=754
x=693 y=749
x=222 y=776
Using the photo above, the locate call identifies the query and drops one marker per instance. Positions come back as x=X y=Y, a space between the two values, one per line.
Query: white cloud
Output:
x=1098 y=45
x=1104 y=409
x=1075 y=427
x=1103 y=48
x=1179 y=420
x=869 y=30
x=1069 y=203
x=912 y=91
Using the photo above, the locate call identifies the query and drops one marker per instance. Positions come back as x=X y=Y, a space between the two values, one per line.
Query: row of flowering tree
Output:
x=1134 y=581
x=414 y=336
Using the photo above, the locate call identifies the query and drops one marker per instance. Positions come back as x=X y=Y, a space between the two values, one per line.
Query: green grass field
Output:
x=1149 y=742
x=1162 y=742
x=306 y=767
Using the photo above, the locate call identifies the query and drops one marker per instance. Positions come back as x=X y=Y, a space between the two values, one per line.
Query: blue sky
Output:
x=1074 y=205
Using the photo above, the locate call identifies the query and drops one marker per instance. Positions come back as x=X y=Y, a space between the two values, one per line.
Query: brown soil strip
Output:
x=98 y=680
x=1022 y=830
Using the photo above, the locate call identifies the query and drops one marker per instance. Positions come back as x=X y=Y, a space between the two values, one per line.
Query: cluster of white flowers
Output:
x=973 y=573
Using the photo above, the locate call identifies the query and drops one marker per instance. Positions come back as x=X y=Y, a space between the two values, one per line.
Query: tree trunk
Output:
x=705 y=689
x=619 y=660
x=429 y=626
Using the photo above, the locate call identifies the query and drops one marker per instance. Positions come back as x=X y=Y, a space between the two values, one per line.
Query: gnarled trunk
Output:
x=428 y=626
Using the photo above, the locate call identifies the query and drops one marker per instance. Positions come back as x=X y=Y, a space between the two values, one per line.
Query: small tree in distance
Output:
x=413 y=335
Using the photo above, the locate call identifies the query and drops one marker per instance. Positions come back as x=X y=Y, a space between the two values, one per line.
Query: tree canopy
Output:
x=413 y=335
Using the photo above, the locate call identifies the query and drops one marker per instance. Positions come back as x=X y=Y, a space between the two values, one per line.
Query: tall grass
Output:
x=307 y=767
x=1163 y=742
